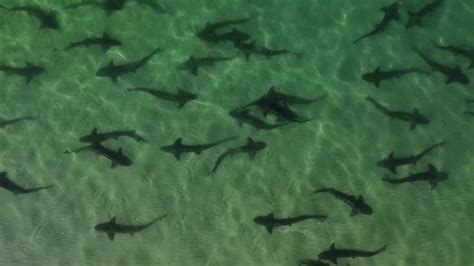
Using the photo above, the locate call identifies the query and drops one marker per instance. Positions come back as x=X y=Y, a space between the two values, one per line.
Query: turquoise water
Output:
x=210 y=216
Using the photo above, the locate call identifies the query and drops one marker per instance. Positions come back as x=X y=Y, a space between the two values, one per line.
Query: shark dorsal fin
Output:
x=105 y=36
x=272 y=91
x=270 y=215
x=119 y=151
x=431 y=168
x=377 y=70
x=112 y=221
x=250 y=141
x=390 y=156
x=332 y=247
x=94 y=131
x=361 y=199
x=111 y=64
x=180 y=91
x=415 y=111
x=178 y=141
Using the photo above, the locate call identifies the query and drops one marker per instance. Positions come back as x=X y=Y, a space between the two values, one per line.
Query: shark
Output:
x=105 y=41
x=47 y=18
x=464 y=52
x=14 y=188
x=178 y=148
x=109 y=6
x=96 y=137
x=378 y=75
x=116 y=157
x=270 y=222
x=415 y=17
x=180 y=98
x=453 y=74
x=5 y=123
x=113 y=71
x=414 y=118
x=392 y=162
x=333 y=254
x=358 y=204
x=251 y=148
x=390 y=13
x=432 y=175
x=112 y=227
x=29 y=71
x=209 y=32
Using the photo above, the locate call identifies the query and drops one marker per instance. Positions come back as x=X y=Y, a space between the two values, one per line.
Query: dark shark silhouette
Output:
x=111 y=227
x=5 y=123
x=358 y=205
x=109 y=6
x=309 y=262
x=333 y=254
x=181 y=97
x=178 y=148
x=251 y=147
x=114 y=71
x=47 y=18
x=249 y=48
x=29 y=71
x=105 y=41
x=432 y=175
x=11 y=186
x=278 y=104
x=391 y=162
x=209 y=32
x=378 y=75
x=244 y=116
x=95 y=137
x=454 y=74
x=270 y=222
x=287 y=98
x=152 y=4
x=415 y=17
x=194 y=63
x=390 y=13
x=116 y=157
x=414 y=118
x=464 y=52
x=234 y=36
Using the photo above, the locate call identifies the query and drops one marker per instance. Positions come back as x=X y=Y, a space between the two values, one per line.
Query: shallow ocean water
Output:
x=210 y=216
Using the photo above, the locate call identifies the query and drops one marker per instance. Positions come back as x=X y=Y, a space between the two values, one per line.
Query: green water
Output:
x=210 y=217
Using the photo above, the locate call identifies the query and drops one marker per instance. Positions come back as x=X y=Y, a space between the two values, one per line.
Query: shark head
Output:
x=184 y=97
x=363 y=207
x=107 y=71
x=50 y=21
x=419 y=118
x=458 y=76
x=329 y=254
x=106 y=227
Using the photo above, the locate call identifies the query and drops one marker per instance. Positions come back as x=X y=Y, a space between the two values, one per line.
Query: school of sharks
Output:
x=273 y=110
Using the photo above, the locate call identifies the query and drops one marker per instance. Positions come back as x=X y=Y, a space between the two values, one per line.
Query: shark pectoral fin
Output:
x=354 y=212
x=111 y=236
x=333 y=260
x=393 y=169
x=29 y=78
x=114 y=164
x=177 y=155
x=432 y=168
x=252 y=155
x=194 y=70
x=105 y=48
x=412 y=126
x=269 y=229
x=377 y=83
x=433 y=184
